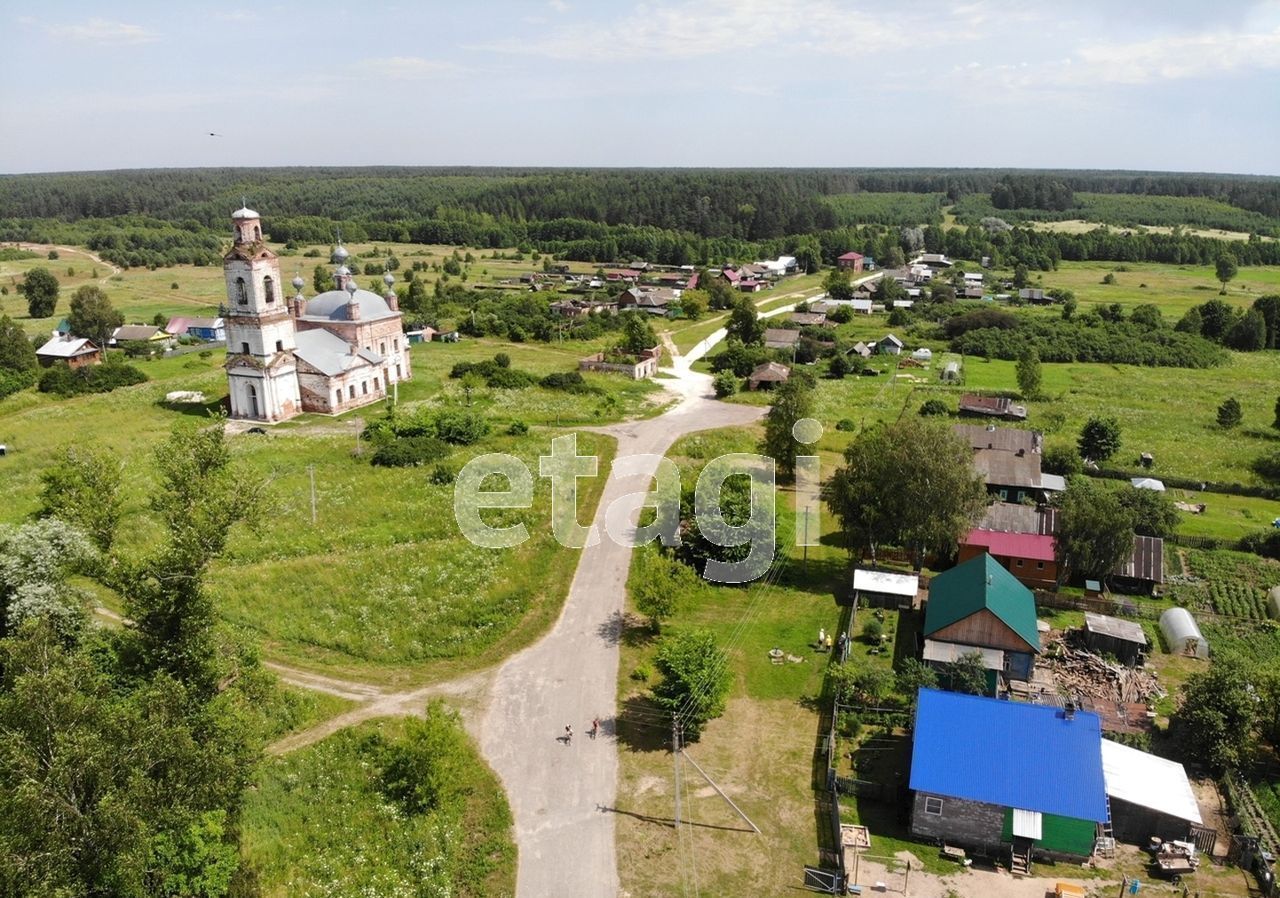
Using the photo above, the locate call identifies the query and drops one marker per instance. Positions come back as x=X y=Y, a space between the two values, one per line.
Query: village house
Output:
x=809 y=319
x=890 y=345
x=1028 y=556
x=1012 y=779
x=1015 y=476
x=978 y=606
x=1034 y=295
x=851 y=262
x=141 y=333
x=860 y=349
x=992 y=407
x=933 y=260
x=651 y=300
x=1006 y=439
x=77 y=352
x=781 y=338
x=340 y=350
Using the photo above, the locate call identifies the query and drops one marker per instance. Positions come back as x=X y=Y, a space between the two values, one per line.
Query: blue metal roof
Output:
x=1011 y=754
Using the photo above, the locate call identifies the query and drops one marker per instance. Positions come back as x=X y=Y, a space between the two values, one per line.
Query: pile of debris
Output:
x=1083 y=674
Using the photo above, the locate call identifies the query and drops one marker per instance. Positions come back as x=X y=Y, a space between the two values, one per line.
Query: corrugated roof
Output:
x=330 y=354
x=1148 y=781
x=1127 y=630
x=947 y=652
x=776 y=337
x=1000 y=468
x=136 y=332
x=1146 y=562
x=1012 y=517
x=886 y=582
x=977 y=584
x=1034 y=546
x=1010 y=754
x=66 y=348
x=1008 y=439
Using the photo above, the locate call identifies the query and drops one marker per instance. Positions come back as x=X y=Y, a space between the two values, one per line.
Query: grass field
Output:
x=382 y=586
x=771 y=707
x=319 y=823
x=1173 y=288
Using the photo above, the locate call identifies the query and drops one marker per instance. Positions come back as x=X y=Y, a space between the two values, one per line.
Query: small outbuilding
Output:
x=885 y=589
x=1147 y=483
x=1112 y=636
x=951 y=373
x=781 y=338
x=923 y=354
x=890 y=345
x=1150 y=796
x=767 y=376
x=1183 y=634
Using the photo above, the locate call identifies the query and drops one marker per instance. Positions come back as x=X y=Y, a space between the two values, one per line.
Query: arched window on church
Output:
x=269 y=288
x=257 y=233
x=242 y=295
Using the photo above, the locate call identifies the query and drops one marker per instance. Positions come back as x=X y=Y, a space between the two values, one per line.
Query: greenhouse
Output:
x=1182 y=634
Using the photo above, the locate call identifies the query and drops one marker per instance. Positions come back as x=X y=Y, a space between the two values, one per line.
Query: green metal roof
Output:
x=981 y=583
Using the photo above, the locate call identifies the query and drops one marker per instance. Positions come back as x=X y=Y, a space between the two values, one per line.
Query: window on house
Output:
x=1039 y=565
x=244 y=347
x=1019 y=562
x=1004 y=494
x=279 y=345
x=364 y=387
x=376 y=386
x=398 y=374
x=933 y=806
x=242 y=295
x=269 y=289
x=352 y=391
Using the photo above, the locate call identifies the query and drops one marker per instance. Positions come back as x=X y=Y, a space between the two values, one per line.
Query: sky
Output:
x=1174 y=85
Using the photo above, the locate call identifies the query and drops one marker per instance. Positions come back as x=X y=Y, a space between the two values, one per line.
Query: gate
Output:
x=828 y=882
x=1204 y=838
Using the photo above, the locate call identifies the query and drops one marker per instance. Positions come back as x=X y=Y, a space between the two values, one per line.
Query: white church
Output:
x=337 y=351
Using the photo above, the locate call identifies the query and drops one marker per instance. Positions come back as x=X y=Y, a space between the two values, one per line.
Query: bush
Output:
x=872 y=631
x=569 y=381
x=934 y=407
x=460 y=426
x=442 y=475
x=726 y=384
x=13 y=381
x=1061 y=460
x=845 y=425
x=409 y=452
x=517 y=428
x=63 y=381
x=1265 y=543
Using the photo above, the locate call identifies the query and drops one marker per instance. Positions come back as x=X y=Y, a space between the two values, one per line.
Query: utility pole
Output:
x=311 y=470
x=675 y=754
x=807 y=511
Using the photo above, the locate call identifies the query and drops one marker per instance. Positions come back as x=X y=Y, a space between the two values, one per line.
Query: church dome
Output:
x=331 y=305
x=244 y=212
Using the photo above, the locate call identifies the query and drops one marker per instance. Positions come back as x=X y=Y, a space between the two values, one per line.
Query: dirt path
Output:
x=518 y=710
x=75 y=251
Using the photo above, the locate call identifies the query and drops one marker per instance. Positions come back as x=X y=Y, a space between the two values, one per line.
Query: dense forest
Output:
x=685 y=216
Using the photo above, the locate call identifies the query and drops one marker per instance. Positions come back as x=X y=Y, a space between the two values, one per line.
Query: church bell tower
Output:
x=261 y=371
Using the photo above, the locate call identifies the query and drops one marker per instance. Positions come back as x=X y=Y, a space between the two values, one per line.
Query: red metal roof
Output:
x=1031 y=546
x=850 y=256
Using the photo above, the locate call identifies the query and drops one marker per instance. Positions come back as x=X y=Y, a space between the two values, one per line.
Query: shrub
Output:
x=460 y=426
x=872 y=630
x=408 y=452
x=726 y=384
x=442 y=475
x=517 y=428
x=570 y=381
x=1061 y=460
x=62 y=381
x=934 y=407
x=13 y=381
x=845 y=425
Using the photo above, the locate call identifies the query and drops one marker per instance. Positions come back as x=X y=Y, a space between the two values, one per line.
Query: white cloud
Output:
x=236 y=15
x=559 y=6
x=101 y=31
x=407 y=68
x=1176 y=57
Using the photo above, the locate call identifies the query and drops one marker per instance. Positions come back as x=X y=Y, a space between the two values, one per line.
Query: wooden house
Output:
x=850 y=262
x=992 y=407
x=75 y=351
x=780 y=338
x=1028 y=556
x=1012 y=779
x=978 y=606
x=767 y=375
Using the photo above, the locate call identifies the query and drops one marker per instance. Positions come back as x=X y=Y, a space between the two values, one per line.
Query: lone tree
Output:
x=910 y=483
x=837 y=284
x=637 y=335
x=92 y=315
x=792 y=401
x=18 y=355
x=41 y=289
x=744 y=324
x=695 y=679
x=1225 y=269
x=1099 y=438
x=1218 y=718
x=1095 y=530
x=1229 y=413
x=1029 y=373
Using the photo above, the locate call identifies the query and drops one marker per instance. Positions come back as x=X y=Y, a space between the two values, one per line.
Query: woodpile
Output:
x=1086 y=675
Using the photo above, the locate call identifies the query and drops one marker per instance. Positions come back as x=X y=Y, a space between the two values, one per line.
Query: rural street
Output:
x=560 y=794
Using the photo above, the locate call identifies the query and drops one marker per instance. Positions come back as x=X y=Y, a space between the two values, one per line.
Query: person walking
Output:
x=595 y=726
x=568 y=734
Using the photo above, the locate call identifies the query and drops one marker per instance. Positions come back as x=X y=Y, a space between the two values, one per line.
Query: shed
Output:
x=1147 y=483
x=1183 y=634
x=890 y=345
x=767 y=375
x=1112 y=636
x=1150 y=796
x=780 y=338
x=885 y=589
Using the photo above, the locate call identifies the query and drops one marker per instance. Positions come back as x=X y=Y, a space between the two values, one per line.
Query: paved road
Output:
x=558 y=792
